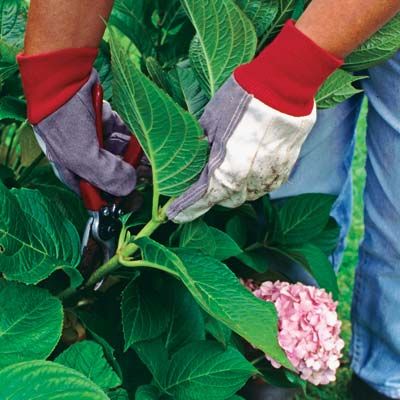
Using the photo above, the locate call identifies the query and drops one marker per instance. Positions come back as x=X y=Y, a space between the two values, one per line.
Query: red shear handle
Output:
x=90 y=194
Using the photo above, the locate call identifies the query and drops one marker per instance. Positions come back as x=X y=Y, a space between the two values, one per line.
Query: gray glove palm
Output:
x=68 y=138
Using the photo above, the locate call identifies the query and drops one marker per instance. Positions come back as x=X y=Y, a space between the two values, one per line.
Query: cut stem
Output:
x=129 y=249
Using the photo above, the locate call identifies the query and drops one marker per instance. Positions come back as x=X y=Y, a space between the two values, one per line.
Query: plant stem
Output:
x=254 y=246
x=28 y=170
x=258 y=359
x=130 y=249
x=147 y=264
x=14 y=134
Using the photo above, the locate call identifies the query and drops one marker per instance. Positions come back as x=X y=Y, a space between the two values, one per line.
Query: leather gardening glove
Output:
x=256 y=124
x=58 y=88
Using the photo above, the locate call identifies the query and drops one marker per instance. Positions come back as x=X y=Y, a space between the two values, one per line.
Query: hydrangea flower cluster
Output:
x=308 y=328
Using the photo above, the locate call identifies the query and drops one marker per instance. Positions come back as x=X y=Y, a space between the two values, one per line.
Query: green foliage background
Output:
x=173 y=320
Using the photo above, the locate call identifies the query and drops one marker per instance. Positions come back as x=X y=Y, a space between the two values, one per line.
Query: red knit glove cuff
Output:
x=51 y=79
x=288 y=73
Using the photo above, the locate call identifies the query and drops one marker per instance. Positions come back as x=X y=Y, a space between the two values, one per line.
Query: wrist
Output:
x=51 y=79
x=287 y=74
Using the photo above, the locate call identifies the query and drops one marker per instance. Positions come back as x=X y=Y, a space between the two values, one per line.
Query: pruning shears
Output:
x=104 y=224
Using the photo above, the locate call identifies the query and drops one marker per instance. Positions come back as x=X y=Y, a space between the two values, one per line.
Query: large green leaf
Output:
x=225 y=39
x=207 y=368
x=221 y=295
x=337 y=88
x=133 y=18
x=237 y=229
x=304 y=217
x=147 y=392
x=256 y=259
x=12 y=22
x=260 y=12
x=35 y=238
x=119 y=394
x=318 y=264
x=88 y=358
x=193 y=95
x=171 y=138
x=285 y=11
x=48 y=381
x=30 y=323
x=154 y=355
x=211 y=241
x=328 y=239
x=381 y=46
x=143 y=316
x=186 y=321
x=99 y=331
x=12 y=108
x=69 y=204
x=186 y=324
x=218 y=331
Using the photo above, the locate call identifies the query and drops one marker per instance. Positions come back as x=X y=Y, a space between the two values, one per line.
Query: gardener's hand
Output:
x=58 y=88
x=256 y=124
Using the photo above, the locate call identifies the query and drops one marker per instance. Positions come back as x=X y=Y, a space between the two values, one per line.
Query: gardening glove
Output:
x=256 y=124
x=58 y=88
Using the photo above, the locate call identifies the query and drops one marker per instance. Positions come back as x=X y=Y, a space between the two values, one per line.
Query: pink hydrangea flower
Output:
x=309 y=328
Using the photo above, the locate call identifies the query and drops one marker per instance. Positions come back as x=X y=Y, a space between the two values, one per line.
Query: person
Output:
x=256 y=124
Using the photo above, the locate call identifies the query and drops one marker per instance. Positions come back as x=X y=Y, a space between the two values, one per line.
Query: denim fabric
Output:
x=324 y=166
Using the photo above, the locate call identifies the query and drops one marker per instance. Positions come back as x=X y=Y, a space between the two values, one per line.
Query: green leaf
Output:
x=143 y=317
x=380 y=47
x=35 y=239
x=236 y=228
x=88 y=358
x=119 y=394
x=255 y=259
x=304 y=217
x=103 y=67
x=171 y=138
x=66 y=201
x=154 y=355
x=225 y=39
x=236 y=398
x=186 y=321
x=209 y=240
x=12 y=22
x=97 y=327
x=285 y=11
x=132 y=17
x=12 y=108
x=206 y=367
x=30 y=323
x=7 y=70
x=298 y=9
x=318 y=264
x=194 y=96
x=328 y=239
x=29 y=147
x=278 y=377
x=260 y=12
x=46 y=380
x=219 y=331
x=337 y=88
x=147 y=392
x=212 y=284
x=157 y=74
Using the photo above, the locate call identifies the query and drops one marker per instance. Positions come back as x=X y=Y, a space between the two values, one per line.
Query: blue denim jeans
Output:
x=325 y=167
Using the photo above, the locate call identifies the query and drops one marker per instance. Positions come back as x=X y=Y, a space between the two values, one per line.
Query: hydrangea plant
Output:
x=172 y=320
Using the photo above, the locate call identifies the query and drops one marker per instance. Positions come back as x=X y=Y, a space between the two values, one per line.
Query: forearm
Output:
x=59 y=24
x=340 y=26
